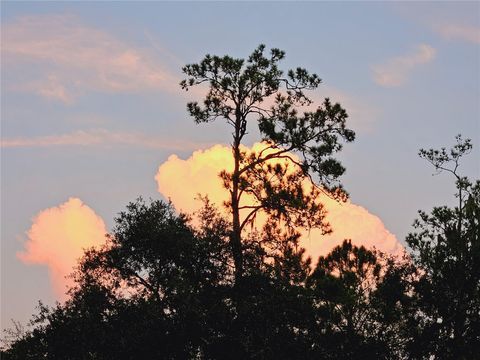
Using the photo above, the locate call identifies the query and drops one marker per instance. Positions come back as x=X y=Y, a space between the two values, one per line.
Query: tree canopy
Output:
x=446 y=247
x=256 y=90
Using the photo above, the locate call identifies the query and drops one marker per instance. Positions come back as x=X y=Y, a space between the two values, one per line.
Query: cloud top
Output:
x=182 y=181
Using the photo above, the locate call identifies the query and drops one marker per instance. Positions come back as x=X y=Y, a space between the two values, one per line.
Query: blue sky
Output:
x=91 y=106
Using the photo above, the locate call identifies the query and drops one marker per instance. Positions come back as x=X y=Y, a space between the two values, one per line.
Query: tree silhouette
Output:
x=157 y=289
x=359 y=296
x=256 y=90
x=446 y=247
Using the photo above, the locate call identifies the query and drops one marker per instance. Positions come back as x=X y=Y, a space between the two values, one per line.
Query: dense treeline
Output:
x=161 y=288
x=166 y=287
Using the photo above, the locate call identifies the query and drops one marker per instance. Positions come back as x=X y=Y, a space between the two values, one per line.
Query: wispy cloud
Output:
x=454 y=21
x=459 y=32
x=50 y=88
x=77 y=58
x=395 y=72
x=102 y=137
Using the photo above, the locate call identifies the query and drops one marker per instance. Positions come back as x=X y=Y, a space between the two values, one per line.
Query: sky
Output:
x=92 y=116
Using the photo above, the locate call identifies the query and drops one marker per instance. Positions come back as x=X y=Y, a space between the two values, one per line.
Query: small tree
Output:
x=447 y=249
x=298 y=145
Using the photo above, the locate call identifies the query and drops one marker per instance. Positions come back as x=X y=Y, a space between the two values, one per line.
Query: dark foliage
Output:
x=162 y=289
x=299 y=142
x=446 y=248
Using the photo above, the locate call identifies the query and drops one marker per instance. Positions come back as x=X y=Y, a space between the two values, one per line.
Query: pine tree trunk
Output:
x=236 y=236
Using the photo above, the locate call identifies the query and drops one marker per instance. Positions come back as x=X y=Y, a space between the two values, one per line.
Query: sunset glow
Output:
x=58 y=238
x=109 y=104
x=183 y=180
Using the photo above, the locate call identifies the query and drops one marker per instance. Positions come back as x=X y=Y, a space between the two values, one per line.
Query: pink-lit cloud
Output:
x=58 y=238
x=182 y=180
x=395 y=72
x=101 y=137
x=453 y=21
x=72 y=58
x=51 y=88
x=461 y=32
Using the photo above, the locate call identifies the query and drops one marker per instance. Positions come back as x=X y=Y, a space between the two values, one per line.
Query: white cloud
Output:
x=395 y=72
x=78 y=58
x=101 y=137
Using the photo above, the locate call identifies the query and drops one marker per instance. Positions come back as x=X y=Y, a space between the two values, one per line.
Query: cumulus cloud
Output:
x=97 y=137
x=182 y=180
x=58 y=237
x=396 y=71
x=76 y=58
